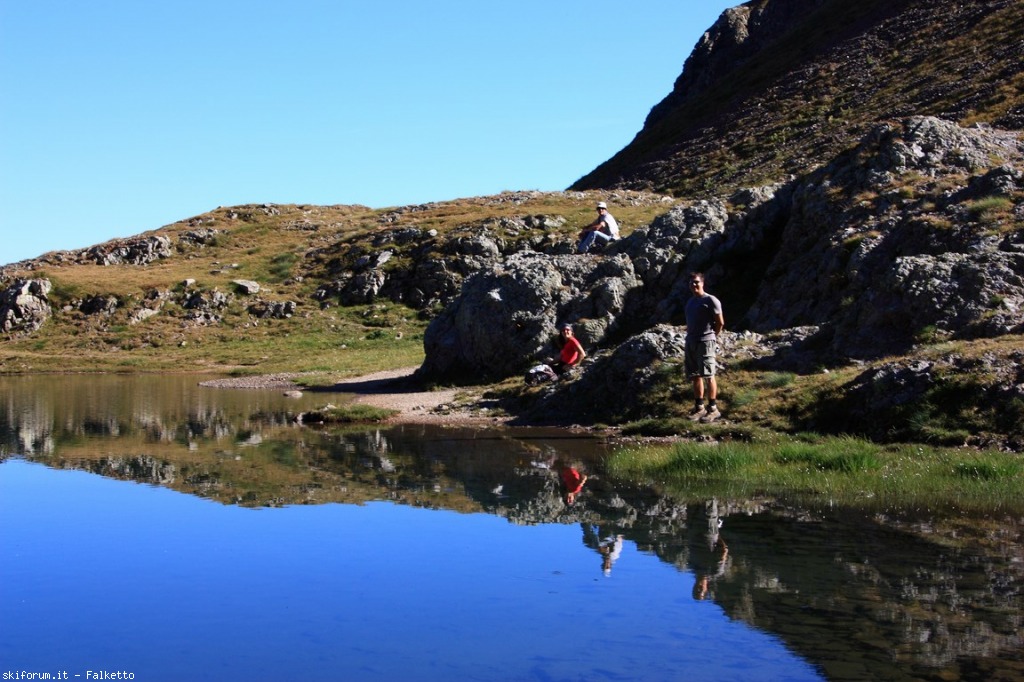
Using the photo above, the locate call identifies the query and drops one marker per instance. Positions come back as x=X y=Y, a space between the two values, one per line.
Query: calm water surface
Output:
x=153 y=527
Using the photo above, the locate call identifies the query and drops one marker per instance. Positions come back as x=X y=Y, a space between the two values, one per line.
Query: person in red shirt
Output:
x=572 y=352
x=573 y=481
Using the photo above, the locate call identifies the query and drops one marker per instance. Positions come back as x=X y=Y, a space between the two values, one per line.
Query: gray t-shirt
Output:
x=701 y=312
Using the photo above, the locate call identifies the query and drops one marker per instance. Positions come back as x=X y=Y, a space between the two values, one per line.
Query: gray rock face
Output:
x=895 y=264
x=202 y=307
x=424 y=271
x=24 y=306
x=932 y=145
x=684 y=239
x=505 y=318
x=206 y=236
x=140 y=251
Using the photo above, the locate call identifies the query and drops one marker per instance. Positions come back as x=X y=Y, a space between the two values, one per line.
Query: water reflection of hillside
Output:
x=863 y=596
x=38 y=415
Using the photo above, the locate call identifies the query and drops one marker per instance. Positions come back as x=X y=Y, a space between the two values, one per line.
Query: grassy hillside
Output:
x=290 y=251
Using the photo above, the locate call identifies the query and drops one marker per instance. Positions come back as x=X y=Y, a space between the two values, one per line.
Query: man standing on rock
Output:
x=704 y=322
x=605 y=228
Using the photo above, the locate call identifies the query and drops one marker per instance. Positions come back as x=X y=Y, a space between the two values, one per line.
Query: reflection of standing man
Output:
x=708 y=553
x=704 y=322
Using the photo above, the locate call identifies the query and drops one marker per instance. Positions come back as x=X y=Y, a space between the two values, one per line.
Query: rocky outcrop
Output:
x=24 y=306
x=139 y=251
x=278 y=310
x=203 y=307
x=99 y=305
x=911 y=254
x=505 y=318
x=685 y=238
x=418 y=268
x=947 y=399
x=206 y=236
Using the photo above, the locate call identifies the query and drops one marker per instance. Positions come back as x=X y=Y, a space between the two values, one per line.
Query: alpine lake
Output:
x=155 y=529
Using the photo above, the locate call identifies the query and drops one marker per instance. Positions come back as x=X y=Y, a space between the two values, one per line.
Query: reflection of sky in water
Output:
x=105 y=575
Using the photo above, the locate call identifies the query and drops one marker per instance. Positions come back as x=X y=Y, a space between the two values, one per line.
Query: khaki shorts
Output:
x=699 y=358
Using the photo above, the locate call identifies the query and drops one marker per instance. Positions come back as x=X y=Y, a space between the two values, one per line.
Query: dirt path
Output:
x=394 y=390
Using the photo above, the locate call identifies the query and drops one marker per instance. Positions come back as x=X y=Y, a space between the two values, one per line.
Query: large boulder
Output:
x=505 y=317
x=25 y=306
x=682 y=240
x=613 y=385
x=99 y=305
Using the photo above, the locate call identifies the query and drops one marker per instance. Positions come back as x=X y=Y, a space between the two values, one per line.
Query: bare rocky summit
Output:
x=777 y=88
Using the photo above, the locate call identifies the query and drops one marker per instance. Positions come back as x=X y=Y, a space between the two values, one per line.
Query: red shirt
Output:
x=572 y=479
x=572 y=351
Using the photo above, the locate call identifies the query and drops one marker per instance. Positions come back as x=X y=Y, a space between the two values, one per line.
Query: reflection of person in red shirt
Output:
x=573 y=481
x=572 y=352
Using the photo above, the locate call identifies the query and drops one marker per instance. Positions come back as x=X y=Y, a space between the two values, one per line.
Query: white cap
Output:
x=601 y=204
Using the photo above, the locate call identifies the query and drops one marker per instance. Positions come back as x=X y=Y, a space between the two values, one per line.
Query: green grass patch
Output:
x=817 y=469
x=989 y=208
x=744 y=397
x=701 y=460
x=846 y=455
x=779 y=379
x=351 y=414
x=987 y=470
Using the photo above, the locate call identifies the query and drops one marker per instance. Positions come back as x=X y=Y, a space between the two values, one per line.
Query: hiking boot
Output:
x=697 y=413
x=710 y=415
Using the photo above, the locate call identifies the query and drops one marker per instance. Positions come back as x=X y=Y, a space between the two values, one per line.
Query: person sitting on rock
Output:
x=605 y=229
x=572 y=352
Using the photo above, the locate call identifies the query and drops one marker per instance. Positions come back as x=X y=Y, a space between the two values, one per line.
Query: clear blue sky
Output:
x=121 y=116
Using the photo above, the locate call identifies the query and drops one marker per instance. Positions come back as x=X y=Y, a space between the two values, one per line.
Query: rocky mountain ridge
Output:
x=776 y=88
